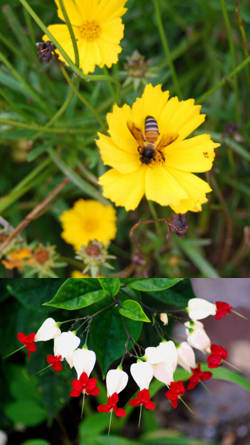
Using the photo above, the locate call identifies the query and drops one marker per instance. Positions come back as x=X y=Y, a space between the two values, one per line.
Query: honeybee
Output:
x=148 y=148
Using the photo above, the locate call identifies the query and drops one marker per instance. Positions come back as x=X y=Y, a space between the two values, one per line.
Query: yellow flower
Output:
x=88 y=221
x=18 y=259
x=78 y=274
x=163 y=174
x=98 y=30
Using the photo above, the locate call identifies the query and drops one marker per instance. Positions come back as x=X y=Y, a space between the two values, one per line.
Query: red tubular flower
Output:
x=55 y=362
x=197 y=376
x=222 y=309
x=28 y=341
x=218 y=354
x=143 y=398
x=176 y=390
x=84 y=384
x=112 y=406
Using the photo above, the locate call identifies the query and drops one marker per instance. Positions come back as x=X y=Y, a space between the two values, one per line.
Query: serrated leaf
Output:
x=153 y=284
x=111 y=285
x=77 y=293
x=133 y=310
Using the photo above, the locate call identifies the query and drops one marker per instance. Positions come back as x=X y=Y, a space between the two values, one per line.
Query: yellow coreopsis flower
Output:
x=87 y=221
x=98 y=30
x=150 y=155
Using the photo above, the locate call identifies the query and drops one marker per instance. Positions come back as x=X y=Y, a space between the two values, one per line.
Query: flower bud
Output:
x=142 y=373
x=164 y=318
x=48 y=330
x=197 y=336
x=186 y=357
x=116 y=381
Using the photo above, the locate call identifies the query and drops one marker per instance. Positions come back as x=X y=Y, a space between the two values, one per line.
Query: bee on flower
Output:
x=150 y=154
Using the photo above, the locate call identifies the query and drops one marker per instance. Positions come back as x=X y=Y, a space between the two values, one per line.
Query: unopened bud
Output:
x=164 y=318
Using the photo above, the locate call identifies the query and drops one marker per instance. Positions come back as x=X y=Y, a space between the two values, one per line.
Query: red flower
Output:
x=176 y=390
x=112 y=406
x=143 y=398
x=197 y=376
x=28 y=341
x=55 y=361
x=222 y=309
x=218 y=354
x=84 y=384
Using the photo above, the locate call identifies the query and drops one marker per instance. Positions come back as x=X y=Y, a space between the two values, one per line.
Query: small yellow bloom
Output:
x=88 y=221
x=165 y=173
x=98 y=30
x=78 y=274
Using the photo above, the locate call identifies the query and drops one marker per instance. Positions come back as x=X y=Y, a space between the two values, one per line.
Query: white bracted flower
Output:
x=48 y=330
x=197 y=336
x=163 y=359
x=65 y=345
x=186 y=356
x=116 y=381
x=142 y=373
x=83 y=361
x=198 y=308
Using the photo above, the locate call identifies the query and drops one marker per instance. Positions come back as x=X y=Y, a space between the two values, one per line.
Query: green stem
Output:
x=71 y=32
x=13 y=352
x=166 y=47
x=155 y=216
x=222 y=82
x=111 y=89
x=233 y=56
x=45 y=129
x=57 y=44
x=81 y=97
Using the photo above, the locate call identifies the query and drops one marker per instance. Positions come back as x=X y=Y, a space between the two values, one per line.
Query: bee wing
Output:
x=167 y=140
x=136 y=132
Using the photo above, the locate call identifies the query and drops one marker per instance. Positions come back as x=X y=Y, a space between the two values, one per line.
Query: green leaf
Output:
x=177 y=296
x=76 y=293
x=27 y=412
x=113 y=440
x=133 y=310
x=108 y=336
x=32 y=293
x=111 y=285
x=153 y=284
x=93 y=425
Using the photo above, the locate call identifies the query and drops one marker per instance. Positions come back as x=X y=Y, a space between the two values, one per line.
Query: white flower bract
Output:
x=197 y=337
x=198 y=308
x=116 y=381
x=186 y=356
x=48 y=330
x=65 y=344
x=142 y=373
x=83 y=361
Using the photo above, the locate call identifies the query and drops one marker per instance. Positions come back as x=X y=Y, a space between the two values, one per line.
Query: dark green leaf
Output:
x=55 y=390
x=76 y=293
x=133 y=310
x=111 y=285
x=35 y=442
x=93 y=425
x=32 y=293
x=25 y=411
x=153 y=284
x=108 y=336
x=177 y=296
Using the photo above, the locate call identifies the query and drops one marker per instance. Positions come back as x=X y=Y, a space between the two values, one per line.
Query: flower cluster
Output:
x=159 y=362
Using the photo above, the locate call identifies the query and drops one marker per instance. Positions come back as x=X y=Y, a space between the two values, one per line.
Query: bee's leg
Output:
x=162 y=155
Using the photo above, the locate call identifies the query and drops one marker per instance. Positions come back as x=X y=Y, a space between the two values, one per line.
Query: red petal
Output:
x=84 y=378
x=114 y=399
x=91 y=384
x=21 y=337
x=134 y=402
x=94 y=392
x=119 y=412
x=104 y=408
x=149 y=405
x=75 y=393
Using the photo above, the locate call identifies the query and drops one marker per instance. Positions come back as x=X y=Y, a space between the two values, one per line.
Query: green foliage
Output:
x=111 y=286
x=77 y=293
x=153 y=284
x=133 y=310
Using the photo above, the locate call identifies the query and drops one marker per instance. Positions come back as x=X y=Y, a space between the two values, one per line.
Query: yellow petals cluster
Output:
x=168 y=179
x=87 y=221
x=98 y=30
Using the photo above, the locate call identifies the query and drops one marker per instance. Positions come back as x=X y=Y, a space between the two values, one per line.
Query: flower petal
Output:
x=111 y=9
x=48 y=330
x=195 y=188
x=118 y=129
x=162 y=187
x=198 y=308
x=115 y=157
x=152 y=102
x=124 y=190
x=186 y=356
x=83 y=361
x=163 y=373
x=65 y=344
x=61 y=34
x=74 y=11
x=181 y=117
x=192 y=155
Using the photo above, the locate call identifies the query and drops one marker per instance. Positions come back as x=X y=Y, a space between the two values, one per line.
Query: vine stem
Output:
x=166 y=47
x=71 y=32
x=34 y=214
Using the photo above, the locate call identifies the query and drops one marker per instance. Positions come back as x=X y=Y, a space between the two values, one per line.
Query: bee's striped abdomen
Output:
x=151 y=129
